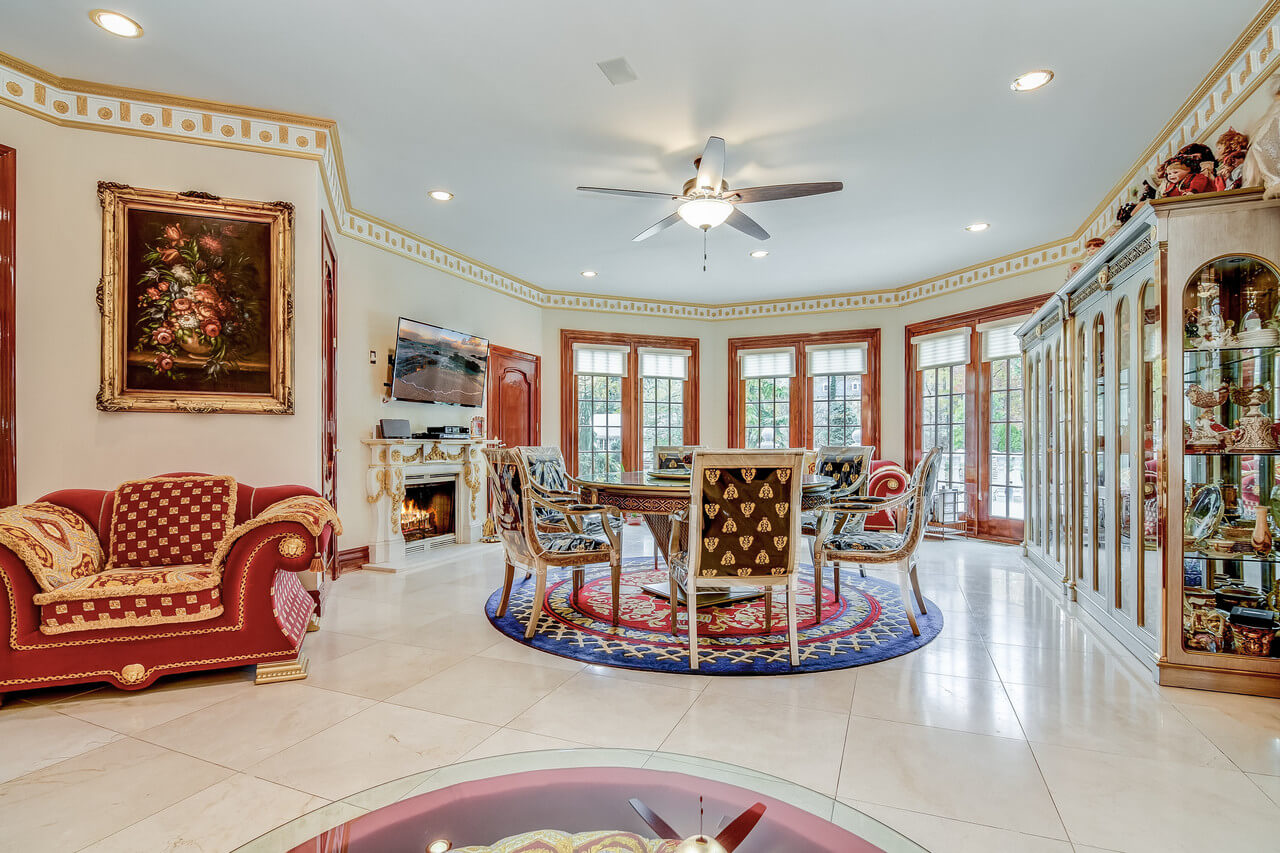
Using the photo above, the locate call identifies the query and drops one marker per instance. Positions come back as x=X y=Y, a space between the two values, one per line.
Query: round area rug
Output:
x=864 y=625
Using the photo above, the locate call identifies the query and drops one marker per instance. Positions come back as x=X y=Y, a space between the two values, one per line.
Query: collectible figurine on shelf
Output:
x=1262 y=161
x=1261 y=540
x=1212 y=332
x=1206 y=432
x=1183 y=177
x=1253 y=430
x=1232 y=148
x=1125 y=212
x=1206 y=161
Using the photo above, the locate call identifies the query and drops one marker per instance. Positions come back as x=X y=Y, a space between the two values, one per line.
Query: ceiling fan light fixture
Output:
x=700 y=844
x=705 y=212
x=116 y=24
x=1032 y=80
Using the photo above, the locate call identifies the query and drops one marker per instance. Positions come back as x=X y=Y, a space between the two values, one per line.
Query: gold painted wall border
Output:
x=87 y=105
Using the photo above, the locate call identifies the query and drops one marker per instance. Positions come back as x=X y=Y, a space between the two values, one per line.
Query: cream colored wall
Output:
x=63 y=440
x=714 y=336
x=375 y=289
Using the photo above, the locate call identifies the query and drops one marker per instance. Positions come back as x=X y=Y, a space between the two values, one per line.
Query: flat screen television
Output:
x=435 y=365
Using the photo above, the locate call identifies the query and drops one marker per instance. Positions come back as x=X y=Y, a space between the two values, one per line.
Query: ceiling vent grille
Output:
x=618 y=70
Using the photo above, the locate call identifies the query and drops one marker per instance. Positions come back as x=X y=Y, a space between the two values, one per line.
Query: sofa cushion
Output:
x=121 y=598
x=171 y=521
x=57 y=544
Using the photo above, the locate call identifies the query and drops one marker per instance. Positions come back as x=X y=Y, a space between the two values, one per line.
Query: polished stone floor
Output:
x=1021 y=728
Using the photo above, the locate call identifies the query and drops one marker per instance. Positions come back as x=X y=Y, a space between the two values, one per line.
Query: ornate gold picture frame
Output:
x=196 y=300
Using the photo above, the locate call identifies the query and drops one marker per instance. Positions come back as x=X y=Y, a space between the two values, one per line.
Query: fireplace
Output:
x=427 y=513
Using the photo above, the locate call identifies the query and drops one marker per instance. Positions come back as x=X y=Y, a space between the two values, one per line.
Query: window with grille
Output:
x=663 y=374
x=1005 y=450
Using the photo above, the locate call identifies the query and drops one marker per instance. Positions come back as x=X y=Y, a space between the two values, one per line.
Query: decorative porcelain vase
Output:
x=1262 y=534
x=1255 y=434
x=192 y=345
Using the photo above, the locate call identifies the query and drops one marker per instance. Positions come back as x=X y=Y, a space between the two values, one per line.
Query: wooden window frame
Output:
x=631 y=440
x=800 y=427
x=977 y=402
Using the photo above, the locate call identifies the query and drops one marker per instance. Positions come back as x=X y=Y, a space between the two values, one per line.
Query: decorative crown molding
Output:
x=94 y=106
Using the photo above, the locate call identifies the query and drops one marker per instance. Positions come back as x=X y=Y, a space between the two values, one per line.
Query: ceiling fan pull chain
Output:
x=704 y=248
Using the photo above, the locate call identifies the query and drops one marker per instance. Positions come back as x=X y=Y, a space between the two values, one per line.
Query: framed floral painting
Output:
x=197 y=303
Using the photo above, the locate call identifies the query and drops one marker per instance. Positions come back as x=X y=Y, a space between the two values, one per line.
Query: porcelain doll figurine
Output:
x=1262 y=162
x=1183 y=177
x=1232 y=148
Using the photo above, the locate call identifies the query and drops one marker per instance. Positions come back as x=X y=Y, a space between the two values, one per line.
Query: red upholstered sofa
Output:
x=265 y=611
x=887 y=479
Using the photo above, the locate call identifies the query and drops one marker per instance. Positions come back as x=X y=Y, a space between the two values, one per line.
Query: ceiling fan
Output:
x=725 y=841
x=707 y=200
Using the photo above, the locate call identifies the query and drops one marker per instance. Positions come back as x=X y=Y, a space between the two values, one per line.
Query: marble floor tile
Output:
x=377 y=671
x=1107 y=723
x=817 y=691
x=520 y=653
x=459 y=633
x=131 y=711
x=1246 y=728
x=69 y=805
x=303 y=829
x=982 y=779
x=942 y=701
x=944 y=835
x=795 y=743
x=268 y=718
x=483 y=689
x=222 y=817
x=945 y=655
x=683 y=680
x=327 y=644
x=1070 y=670
x=1270 y=785
x=39 y=736
x=510 y=741
x=602 y=711
x=381 y=743
x=1101 y=797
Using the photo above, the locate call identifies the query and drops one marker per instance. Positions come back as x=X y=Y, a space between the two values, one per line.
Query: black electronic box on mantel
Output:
x=444 y=432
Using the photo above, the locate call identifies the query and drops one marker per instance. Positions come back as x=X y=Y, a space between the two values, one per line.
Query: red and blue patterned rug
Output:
x=865 y=625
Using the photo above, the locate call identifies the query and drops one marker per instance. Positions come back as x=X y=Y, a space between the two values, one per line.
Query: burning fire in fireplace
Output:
x=427 y=510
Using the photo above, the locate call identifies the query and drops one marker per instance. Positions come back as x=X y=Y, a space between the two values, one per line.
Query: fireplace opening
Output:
x=427 y=510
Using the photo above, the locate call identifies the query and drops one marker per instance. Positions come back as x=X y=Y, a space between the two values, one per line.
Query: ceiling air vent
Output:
x=618 y=70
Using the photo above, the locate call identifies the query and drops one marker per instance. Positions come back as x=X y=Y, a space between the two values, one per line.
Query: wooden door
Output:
x=515 y=389
x=329 y=380
x=8 y=326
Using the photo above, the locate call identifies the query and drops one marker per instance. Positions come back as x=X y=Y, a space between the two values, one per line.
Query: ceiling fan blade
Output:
x=661 y=225
x=746 y=225
x=731 y=836
x=636 y=193
x=711 y=165
x=781 y=191
x=657 y=824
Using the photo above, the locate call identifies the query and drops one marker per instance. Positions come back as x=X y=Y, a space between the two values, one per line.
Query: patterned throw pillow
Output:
x=171 y=521
x=56 y=544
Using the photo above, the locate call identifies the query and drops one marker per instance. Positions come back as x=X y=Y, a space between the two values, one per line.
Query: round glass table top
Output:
x=483 y=801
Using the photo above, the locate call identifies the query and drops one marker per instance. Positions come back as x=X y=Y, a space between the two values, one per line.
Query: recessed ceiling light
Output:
x=115 y=23
x=588 y=273
x=977 y=226
x=441 y=195
x=1031 y=80
x=759 y=253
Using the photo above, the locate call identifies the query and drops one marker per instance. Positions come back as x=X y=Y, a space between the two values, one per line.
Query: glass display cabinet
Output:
x=1094 y=354
x=1154 y=463
x=1222 y=607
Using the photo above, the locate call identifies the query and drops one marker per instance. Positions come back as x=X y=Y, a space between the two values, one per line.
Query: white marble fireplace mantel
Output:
x=392 y=460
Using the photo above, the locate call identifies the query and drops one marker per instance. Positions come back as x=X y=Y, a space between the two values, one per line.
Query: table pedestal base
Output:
x=706 y=598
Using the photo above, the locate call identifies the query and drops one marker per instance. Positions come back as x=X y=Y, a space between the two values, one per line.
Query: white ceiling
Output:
x=500 y=102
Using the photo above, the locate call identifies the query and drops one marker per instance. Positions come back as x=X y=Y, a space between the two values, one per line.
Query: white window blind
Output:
x=600 y=360
x=943 y=348
x=829 y=360
x=766 y=363
x=664 y=363
x=999 y=340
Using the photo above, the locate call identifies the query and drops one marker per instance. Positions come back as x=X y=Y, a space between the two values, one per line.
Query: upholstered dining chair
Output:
x=743 y=530
x=538 y=550
x=896 y=548
x=550 y=480
x=673 y=457
x=849 y=466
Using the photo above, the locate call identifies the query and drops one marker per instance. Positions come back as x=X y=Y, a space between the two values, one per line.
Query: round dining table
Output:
x=656 y=497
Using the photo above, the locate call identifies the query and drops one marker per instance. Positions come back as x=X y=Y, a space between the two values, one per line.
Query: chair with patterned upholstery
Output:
x=849 y=466
x=673 y=457
x=743 y=530
x=550 y=480
x=896 y=548
x=539 y=550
